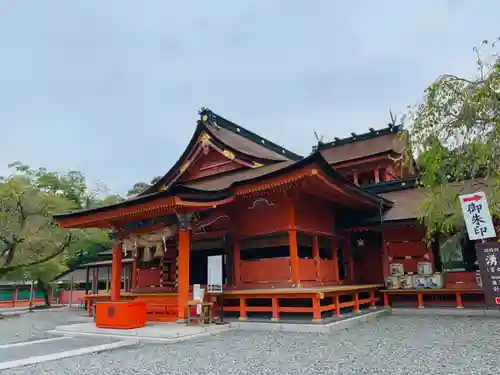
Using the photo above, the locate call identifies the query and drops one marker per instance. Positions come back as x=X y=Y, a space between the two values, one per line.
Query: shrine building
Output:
x=312 y=234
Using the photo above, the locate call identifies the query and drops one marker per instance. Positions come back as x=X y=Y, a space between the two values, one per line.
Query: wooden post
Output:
x=460 y=304
x=337 y=305
x=183 y=288
x=386 y=300
x=134 y=269
x=243 y=308
x=315 y=254
x=420 y=300
x=356 y=302
x=116 y=270
x=14 y=297
x=71 y=292
x=32 y=288
x=276 y=308
x=97 y=280
x=294 y=257
x=237 y=262
x=372 y=299
x=316 y=309
x=87 y=280
x=108 y=279
x=349 y=260
x=385 y=256
x=335 y=258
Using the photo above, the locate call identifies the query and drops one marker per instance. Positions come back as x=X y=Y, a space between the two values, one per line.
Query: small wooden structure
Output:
x=313 y=234
x=205 y=315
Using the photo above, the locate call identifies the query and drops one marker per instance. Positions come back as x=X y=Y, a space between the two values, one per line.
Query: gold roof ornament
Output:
x=257 y=165
x=228 y=154
x=205 y=139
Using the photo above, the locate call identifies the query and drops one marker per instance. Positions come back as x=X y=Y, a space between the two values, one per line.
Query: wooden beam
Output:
x=183 y=288
x=116 y=269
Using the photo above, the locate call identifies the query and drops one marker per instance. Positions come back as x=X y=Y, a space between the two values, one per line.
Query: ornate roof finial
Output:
x=208 y=117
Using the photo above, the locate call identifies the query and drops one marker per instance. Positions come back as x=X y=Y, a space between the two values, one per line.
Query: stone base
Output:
x=444 y=311
x=152 y=332
x=316 y=326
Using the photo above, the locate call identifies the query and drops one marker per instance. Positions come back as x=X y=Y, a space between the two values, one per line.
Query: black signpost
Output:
x=488 y=257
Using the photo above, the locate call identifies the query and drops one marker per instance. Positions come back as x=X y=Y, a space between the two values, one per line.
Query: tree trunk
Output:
x=45 y=289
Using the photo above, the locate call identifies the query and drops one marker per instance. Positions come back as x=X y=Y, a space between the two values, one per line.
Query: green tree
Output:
x=456 y=132
x=31 y=245
x=71 y=185
x=28 y=236
x=139 y=187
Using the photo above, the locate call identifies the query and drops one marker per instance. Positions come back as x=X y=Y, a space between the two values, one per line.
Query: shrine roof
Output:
x=374 y=142
x=223 y=183
x=228 y=136
x=407 y=198
x=247 y=142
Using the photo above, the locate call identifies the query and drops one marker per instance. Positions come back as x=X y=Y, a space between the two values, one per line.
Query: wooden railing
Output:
x=336 y=298
x=420 y=293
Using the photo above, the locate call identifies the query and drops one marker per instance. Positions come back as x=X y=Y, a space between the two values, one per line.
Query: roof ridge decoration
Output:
x=372 y=133
x=207 y=116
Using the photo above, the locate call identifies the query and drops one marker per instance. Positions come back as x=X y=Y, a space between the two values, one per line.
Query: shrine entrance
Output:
x=198 y=264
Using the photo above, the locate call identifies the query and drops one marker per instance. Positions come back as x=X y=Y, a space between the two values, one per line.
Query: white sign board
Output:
x=214 y=269
x=199 y=295
x=477 y=216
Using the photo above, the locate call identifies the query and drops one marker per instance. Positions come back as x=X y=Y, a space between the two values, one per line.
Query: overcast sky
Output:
x=112 y=87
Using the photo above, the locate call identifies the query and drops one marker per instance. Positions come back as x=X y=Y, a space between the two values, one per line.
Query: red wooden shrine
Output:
x=321 y=229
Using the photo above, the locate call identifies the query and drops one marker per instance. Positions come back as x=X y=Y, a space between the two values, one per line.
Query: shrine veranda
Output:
x=315 y=236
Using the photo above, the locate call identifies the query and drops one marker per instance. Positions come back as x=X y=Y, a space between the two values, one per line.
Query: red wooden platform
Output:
x=163 y=307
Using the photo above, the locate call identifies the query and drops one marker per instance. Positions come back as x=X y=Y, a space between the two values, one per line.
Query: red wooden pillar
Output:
x=237 y=262
x=116 y=271
x=316 y=308
x=315 y=254
x=183 y=288
x=335 y=258
x=294 y=257
x=385 y=256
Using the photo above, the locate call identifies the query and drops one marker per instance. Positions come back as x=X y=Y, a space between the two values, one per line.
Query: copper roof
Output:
x=219 y=182
x=364 y=147
x=406 y=204
x=407 y=201
x=245 y=145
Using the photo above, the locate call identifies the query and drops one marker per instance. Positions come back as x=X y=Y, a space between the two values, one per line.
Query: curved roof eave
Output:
x=203 y=196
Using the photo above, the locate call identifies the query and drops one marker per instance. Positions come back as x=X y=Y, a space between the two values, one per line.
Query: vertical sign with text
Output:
x=214 y=277
x=477 y=216
x=488 y=257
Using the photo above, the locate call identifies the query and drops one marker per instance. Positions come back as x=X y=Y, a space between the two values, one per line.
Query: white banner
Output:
x=477 y=216
x=214 y=269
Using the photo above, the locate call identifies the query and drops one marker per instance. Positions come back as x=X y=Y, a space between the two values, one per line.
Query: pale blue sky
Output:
x=112 y=87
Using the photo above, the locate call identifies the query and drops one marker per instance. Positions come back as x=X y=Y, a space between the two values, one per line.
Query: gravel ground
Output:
x=32 y=326
x=392 y=345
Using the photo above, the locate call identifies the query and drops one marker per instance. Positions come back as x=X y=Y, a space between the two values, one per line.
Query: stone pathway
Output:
x=37 y=351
